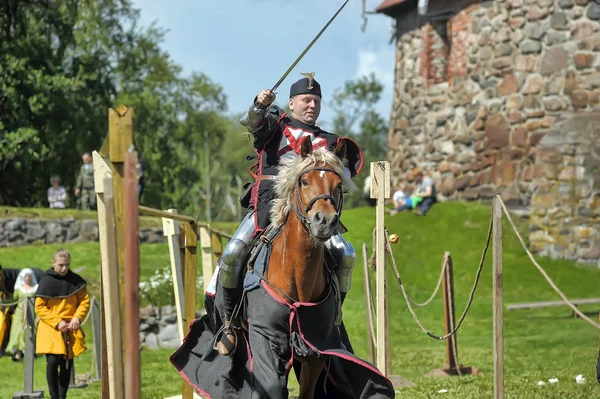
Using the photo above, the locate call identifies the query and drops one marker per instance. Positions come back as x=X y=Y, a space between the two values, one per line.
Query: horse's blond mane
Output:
x=287 y=179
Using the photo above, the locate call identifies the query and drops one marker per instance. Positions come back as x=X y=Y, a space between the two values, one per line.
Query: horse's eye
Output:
x=304 y=182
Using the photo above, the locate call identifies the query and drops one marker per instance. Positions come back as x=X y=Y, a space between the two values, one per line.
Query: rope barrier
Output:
x=435 y=291
x=9 y=304
x=389 y=253
x=541 y=269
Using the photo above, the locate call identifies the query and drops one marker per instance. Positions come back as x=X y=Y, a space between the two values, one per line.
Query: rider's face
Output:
x=306 y=108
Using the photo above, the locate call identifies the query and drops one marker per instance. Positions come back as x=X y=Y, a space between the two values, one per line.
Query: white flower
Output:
x=580 y=379
x=553 y=380
x=442 y=391
x=540 y=383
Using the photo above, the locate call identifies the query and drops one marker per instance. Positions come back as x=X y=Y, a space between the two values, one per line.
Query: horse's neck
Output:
x=296 y=263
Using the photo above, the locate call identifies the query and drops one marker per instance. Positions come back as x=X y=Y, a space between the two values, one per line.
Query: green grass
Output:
x=539 y=344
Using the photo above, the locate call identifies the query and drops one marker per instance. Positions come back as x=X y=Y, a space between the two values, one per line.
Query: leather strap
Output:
x=266 y=177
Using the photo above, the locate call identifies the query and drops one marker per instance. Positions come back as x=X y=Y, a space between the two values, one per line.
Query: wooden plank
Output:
x=217 y=246
x=191 y=243
x=367 y=282
x=498 y=334
x=96 y=332
x=206 y=256
x=132 y=280
x=171 y=231
x=120 y=133
x=165 y=214
x=378 y=170
x=112 y=359
x=547 y=304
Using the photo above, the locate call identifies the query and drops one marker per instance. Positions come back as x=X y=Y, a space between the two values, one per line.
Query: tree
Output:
x=63 y=64
x=354 y=104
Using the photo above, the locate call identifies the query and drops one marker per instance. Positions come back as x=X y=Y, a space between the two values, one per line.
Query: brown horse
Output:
x=307 y=209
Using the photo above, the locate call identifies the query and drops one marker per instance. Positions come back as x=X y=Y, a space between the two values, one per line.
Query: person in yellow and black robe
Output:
x=62 y=302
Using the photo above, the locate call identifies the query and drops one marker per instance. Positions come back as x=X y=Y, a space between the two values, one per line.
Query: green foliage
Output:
x=64 y=63
x=354 y=104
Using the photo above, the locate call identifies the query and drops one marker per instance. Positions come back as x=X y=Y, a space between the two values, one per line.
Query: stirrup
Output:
x=227 y=344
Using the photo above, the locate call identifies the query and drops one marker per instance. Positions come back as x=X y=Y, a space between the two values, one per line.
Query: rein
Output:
x=302 y=213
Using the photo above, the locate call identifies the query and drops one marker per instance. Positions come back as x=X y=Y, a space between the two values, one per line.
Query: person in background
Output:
x=425 y=190
x=423 y=197
x=84 y=184
x=62 y=302
x=57 y=194
x=4 y=313
x=25 y=287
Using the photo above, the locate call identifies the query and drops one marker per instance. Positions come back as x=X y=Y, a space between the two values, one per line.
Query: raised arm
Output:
x=262 y=117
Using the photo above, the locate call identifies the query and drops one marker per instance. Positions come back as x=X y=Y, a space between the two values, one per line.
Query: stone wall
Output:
x=473 y=112
x=565 y=208
x=22 y=231
x=158 y=327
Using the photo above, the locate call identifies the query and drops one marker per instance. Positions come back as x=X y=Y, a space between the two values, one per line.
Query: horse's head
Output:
x=311 y=186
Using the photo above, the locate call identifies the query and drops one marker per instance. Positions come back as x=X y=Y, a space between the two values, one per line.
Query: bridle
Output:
x=302 y=210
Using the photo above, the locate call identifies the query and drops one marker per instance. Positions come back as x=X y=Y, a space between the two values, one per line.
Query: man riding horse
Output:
x=278 y=135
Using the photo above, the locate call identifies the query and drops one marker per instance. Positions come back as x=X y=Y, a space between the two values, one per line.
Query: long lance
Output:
x=307 y=48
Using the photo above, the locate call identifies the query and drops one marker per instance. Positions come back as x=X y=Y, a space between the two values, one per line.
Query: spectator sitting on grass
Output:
x=424 y=195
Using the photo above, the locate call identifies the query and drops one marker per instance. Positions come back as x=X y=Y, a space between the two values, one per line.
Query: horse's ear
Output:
x=340 y=149
x=306 y=147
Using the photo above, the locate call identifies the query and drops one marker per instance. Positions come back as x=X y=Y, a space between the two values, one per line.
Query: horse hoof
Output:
x=226 y=344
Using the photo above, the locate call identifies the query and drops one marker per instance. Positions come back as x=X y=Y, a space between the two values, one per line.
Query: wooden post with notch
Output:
x=111 y=335
x=190 y=247
x=120 y=140
x=452 y=367
x=380 y=189
x=498 y=300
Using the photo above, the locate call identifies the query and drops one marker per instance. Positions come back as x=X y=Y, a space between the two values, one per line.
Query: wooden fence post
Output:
x=120 y=139
x=111 y=354
x=132 y=279
x=190 y=247
x=452 y=367
x=96 y=334
x=367 y=283
x=217 y=246
x=380 y=189
x=206 y=255
x=171 y=231
x=28 y=391
x=498 y=300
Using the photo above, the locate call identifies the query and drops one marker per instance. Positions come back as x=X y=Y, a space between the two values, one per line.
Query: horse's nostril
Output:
x=318 y=217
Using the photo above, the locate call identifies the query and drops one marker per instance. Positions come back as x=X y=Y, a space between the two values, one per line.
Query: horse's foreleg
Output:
x=311 y=369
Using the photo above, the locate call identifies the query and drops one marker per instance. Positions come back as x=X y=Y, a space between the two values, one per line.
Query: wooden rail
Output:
x=164 y=214
x=548 y=304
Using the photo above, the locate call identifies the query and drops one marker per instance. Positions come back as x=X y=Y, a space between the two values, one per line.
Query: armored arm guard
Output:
x=261 y=121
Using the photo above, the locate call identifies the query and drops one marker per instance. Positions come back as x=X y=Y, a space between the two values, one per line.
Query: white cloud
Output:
x=381 y=63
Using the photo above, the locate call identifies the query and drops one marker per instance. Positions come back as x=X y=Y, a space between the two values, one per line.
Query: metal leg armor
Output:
x=345 y=257
x=235 y=253
x=232 y=263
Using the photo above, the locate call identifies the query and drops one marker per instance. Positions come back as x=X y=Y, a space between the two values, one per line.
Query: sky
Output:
x=246 y=45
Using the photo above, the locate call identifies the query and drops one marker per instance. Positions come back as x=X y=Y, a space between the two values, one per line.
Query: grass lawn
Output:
x=539 y=344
